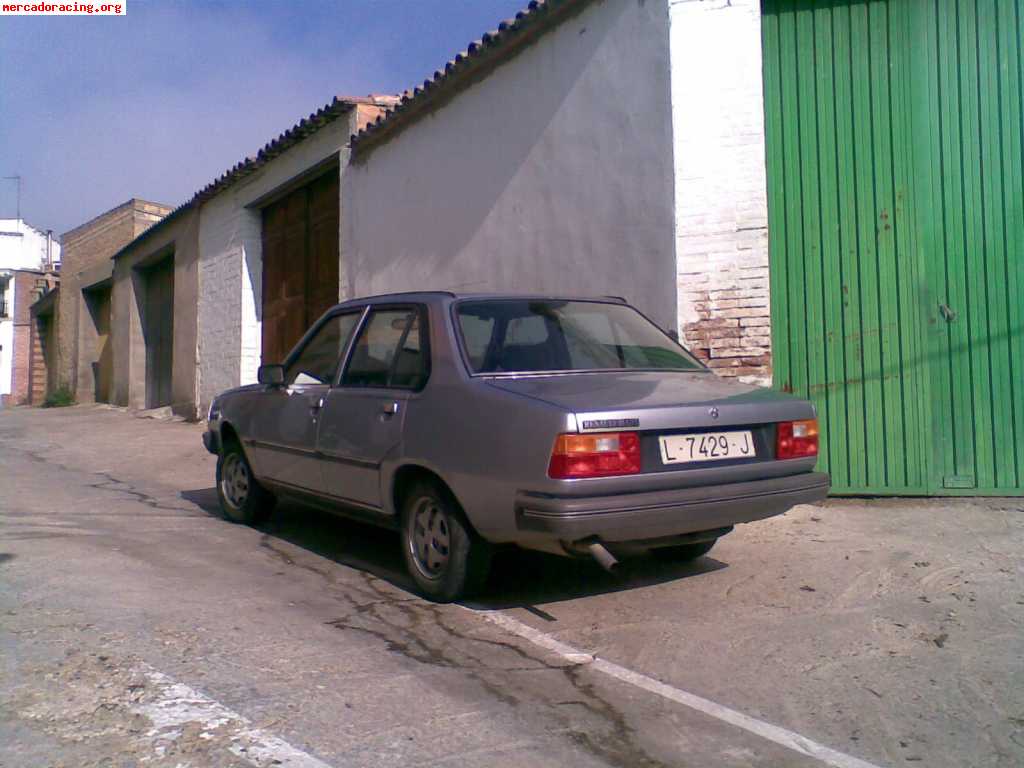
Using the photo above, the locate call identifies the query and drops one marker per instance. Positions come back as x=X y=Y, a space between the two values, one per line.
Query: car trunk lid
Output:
x=656 y=400
x=676 y=413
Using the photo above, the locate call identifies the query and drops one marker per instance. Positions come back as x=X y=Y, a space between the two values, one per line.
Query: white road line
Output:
x=774 y=733
x=176 y=704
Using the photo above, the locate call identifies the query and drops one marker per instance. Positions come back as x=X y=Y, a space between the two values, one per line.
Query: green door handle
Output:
x=948 y=314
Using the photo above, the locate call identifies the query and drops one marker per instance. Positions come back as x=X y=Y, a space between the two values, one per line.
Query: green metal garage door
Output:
x=896 y=225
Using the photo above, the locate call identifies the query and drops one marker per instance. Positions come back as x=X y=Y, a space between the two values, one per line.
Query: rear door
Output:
x=282 y=440
x=362 y=418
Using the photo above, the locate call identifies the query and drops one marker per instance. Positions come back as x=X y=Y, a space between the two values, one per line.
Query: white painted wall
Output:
x=22 y=246
x=720 y=184
x=7 y=338
x=231 y=265
x=553 y=173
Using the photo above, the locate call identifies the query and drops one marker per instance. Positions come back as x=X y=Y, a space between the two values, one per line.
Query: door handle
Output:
x=947 y=314
x=390 y=408
x=315 y=407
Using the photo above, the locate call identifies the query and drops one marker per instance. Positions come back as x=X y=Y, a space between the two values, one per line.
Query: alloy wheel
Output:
x=431 y=538
x=235 y=480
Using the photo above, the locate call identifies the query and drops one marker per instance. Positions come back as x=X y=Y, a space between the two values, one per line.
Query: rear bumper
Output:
x=655 y=514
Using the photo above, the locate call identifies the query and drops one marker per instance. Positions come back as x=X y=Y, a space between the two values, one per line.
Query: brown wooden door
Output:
x=300 y=263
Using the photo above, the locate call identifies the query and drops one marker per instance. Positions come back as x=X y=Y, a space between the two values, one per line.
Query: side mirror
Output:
x=271 y=375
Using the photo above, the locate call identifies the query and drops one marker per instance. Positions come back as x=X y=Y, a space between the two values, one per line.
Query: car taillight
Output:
x=601 y=454
x=796 y=439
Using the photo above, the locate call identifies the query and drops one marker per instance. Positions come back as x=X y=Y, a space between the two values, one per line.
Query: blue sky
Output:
x=155 y=104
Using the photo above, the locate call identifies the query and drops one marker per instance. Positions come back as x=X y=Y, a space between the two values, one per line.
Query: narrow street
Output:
x=139 y=628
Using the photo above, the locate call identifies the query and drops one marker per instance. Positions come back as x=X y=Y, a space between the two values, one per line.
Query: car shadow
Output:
x=524 y=579
x=519 y=578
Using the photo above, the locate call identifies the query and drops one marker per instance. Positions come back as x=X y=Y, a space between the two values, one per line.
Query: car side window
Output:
x=477 y=333
x=389 y=352
x=318 y=360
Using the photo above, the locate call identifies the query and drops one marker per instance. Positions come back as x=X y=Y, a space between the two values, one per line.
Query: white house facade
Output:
x=23 y=248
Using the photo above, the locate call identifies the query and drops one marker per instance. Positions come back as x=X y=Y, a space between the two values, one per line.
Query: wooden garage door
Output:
x=896 y=227
x=300 y=263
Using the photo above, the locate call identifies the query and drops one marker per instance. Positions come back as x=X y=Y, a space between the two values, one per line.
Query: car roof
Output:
x=432 y=297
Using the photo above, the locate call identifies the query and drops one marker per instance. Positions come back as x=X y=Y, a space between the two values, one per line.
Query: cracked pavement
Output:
x=888 y=630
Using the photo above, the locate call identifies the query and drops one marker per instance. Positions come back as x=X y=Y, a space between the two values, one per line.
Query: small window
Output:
x=318 y=360
x=389 y=352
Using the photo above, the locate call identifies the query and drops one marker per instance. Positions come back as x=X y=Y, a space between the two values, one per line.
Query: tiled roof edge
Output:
x=306 y=127
x=480 y=57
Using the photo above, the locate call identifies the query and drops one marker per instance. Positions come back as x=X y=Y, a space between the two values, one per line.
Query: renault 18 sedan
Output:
x=566 y=425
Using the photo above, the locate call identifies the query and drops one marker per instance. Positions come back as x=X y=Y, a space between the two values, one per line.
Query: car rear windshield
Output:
x=528 y=336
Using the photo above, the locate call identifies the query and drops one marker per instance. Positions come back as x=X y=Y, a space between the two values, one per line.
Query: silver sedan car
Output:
x=566 y=425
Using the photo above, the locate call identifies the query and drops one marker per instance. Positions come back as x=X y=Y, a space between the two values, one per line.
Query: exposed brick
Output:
x=721 y=192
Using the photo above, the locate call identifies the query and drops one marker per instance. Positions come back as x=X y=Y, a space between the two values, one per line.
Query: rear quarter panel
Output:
x=486 y=444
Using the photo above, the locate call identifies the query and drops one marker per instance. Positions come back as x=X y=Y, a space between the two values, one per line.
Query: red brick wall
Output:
x=24 y=296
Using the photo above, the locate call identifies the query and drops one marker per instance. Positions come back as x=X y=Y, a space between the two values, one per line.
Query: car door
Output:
x=362 y=418
x=282 y=439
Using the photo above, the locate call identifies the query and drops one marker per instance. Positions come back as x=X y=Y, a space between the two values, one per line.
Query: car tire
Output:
x=242 y=499
x=444 y=556
x=685 y=552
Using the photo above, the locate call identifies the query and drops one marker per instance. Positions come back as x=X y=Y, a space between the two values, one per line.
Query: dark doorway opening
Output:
x=158 y=330
x=101 y=360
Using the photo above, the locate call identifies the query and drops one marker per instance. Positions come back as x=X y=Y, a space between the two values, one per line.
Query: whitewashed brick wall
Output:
x=229 y=242
x=721 y=203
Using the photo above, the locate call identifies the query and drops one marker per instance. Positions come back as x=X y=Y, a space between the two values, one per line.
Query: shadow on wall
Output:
x=450 y=181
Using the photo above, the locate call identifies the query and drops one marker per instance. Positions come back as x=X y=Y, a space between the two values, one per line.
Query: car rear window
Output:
x=526 y=336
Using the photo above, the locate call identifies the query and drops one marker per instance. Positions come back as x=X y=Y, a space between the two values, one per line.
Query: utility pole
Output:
x=17 y=181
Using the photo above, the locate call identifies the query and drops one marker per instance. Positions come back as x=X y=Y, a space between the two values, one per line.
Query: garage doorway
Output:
x=158 y=330
x=101 y=357
x=300 y=263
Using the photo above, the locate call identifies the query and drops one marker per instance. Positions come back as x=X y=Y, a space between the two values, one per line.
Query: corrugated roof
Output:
x=480 y=57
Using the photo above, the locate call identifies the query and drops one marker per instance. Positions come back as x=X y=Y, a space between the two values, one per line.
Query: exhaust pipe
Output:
x=604 y=558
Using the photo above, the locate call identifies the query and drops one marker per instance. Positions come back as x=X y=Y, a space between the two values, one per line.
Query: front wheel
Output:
x=444 y=556
x=242 y=499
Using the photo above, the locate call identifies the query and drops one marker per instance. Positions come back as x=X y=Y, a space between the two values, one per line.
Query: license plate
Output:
x=708 y=446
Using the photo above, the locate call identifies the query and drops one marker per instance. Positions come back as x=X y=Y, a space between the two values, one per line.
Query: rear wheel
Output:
x=242 y=499
x=685 y=552
x=444 y=556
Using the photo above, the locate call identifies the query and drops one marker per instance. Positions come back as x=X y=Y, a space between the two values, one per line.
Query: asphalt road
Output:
x=139 y=628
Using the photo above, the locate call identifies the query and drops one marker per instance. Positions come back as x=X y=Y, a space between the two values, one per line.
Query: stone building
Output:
x=84 y=362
